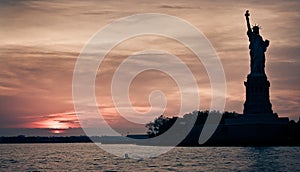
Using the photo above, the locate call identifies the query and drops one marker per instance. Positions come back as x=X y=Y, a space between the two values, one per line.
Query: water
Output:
x=87 y=156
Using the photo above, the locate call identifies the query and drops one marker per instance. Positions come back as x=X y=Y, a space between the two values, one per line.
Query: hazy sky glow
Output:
x=40 y=41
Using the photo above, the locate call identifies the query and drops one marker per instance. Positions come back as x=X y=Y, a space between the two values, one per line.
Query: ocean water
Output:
x=87 y=156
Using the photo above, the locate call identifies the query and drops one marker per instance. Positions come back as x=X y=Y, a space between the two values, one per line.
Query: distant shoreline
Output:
x=119 y=140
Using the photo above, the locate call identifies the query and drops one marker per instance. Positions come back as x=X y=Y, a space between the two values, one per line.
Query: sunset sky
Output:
x=40 y=41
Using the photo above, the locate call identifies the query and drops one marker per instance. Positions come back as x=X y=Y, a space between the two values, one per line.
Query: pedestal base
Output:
x=257 y=96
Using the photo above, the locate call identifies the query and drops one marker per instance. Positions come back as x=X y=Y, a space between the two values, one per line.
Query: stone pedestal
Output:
x=257 y=96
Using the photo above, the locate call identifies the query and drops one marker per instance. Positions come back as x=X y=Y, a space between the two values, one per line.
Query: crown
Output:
x=256 y=26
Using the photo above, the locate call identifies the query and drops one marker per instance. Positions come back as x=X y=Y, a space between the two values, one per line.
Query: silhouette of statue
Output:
x=257 y=49
x=257 y=85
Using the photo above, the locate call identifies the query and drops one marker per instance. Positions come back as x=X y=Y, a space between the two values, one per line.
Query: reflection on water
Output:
x=87 y=156
x=275 y=158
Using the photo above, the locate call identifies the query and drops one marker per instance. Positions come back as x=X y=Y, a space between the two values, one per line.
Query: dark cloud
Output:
x=68 y=121
x=175 y=7
x=15 y=2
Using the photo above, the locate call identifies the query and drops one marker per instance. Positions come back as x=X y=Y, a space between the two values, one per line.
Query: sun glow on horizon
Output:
x=55 y=125
x=57 y=131
x=58 y=121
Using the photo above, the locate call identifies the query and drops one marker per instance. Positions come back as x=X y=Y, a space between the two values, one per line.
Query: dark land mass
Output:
x=233 y=130
x=44 y=139
x=226 y=134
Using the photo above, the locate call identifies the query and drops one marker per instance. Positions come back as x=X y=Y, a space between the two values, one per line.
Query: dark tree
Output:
x=159 y=125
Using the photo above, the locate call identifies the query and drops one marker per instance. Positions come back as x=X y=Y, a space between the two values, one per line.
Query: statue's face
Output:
x=256 y=30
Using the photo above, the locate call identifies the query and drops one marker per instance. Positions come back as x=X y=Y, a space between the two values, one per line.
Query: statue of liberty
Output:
x=257 y=49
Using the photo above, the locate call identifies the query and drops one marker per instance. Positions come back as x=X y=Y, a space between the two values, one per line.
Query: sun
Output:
x=57 y=131
x=56 y=127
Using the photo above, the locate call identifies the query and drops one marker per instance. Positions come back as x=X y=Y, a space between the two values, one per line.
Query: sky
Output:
x=40 y=42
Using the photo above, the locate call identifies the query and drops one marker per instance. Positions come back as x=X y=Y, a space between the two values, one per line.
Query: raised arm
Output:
x=247 y=14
